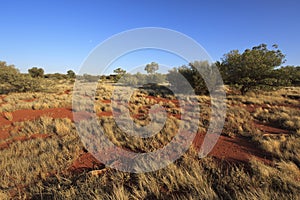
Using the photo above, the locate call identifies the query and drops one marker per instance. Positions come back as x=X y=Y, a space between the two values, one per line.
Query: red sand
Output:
x=252 y=107
x=24 y=115
x=270 y=129
x=29 y=100
x=236 y=149
x=6 y=144
x=231 y=149
x=85 y=162
x=4 y=133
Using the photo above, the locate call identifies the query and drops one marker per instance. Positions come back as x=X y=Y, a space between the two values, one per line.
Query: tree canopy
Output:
x=251 y=68
x=11 y=80
x=36 y=72
x=71 y=74
x=151 y=67
x=7 y=72
x=120 y=71
x=193 y=75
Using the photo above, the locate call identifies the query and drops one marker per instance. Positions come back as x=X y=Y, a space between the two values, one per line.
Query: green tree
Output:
x=151 y=67
x=71 y=74
x=120 y=72
x=181 y=77
x=287 y=76
x=251 y=69
x=7 y=72
x=11 y=80
x=25 y=83
x=36 y=72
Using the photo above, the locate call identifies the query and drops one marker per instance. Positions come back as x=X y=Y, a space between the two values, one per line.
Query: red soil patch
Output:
x=252 y=107
x=105 y=114
x=22 y=139
x=234 y=149
x=270 y=129
x=67 y=92
x=267 y=128
x=237 y=150
x=24 y=115
x=29 y=100
x=4 y=133
x=106 y=101
x=85 y=162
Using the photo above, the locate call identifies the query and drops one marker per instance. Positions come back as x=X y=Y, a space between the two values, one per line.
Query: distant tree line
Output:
x=255 y=68
x=152 y=77
x=11 y=80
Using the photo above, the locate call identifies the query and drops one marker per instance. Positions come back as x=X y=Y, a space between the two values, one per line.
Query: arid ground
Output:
x=256 y=157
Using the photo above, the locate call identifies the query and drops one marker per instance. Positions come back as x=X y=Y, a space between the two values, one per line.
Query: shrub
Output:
x=192 y=76
x=252 y=68
x=128 y=79
x=36 y=72
x=91 y=78
x=24 y=83
x=56 y=76
x=156 y=78
x=71 y=74
x=13 y=81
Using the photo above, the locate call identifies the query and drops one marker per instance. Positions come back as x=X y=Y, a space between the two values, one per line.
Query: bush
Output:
x=91 y=78
x=192 y=76
x=71 y=74
x=129 y=79
x=25 y=83
x=36 y=72
x=56 y=76
x=156 y=78
x=13 y=81
x=251 y=68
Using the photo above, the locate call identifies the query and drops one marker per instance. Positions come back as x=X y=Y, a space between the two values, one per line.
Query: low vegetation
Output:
x=39 y=156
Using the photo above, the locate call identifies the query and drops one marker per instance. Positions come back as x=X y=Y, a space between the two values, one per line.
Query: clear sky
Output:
x=58 y=35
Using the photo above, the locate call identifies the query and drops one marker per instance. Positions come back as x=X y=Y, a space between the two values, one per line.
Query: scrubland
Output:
x=37 y=156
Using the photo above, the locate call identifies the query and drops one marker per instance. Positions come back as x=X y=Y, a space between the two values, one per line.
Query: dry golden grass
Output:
x=37 y=100
x=277 y=110
x=39 y=164
x=287 y=149
x=187 y=178
x=272 y=98
x=286 y=118
x=8 y=116
x=4 y=195
x=239 y=122
x=26 y=162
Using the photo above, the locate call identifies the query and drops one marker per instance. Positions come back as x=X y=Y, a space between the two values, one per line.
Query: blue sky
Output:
x=59 y=35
